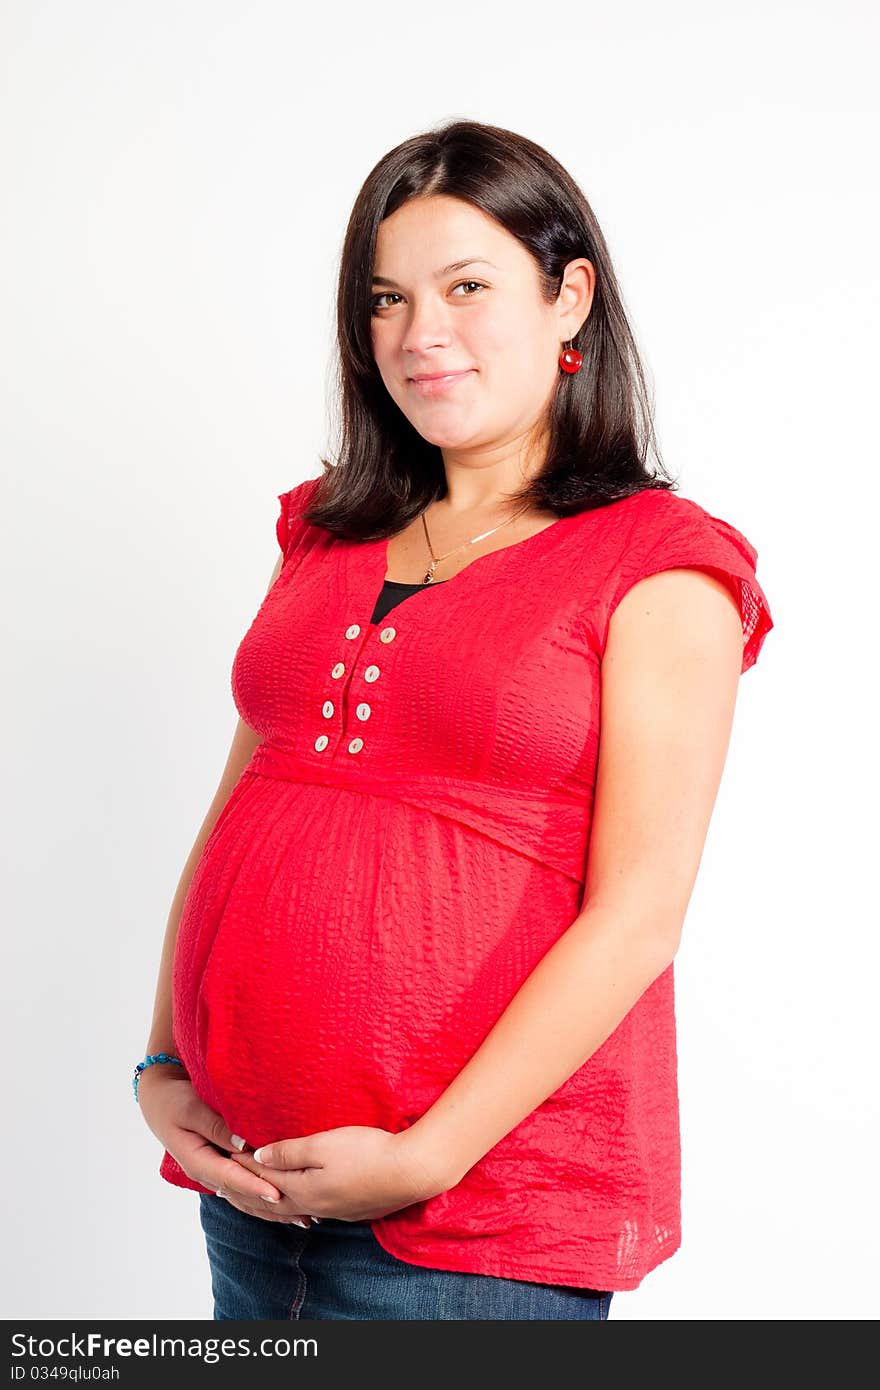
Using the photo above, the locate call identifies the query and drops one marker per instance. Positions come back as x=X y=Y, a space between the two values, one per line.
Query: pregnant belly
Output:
x=340 y=956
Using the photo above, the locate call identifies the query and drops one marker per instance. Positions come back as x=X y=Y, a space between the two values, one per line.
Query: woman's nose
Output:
x=426 y=330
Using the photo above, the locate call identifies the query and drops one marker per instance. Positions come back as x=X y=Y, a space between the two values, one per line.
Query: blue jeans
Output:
x=271 y=1270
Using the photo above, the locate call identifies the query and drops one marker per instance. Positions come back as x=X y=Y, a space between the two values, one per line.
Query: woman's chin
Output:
x=443 y=436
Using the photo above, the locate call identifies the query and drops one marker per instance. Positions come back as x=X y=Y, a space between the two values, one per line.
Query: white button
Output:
x=388 y=634
x=327 y=710
x=356 y=745
x=363 y=710
x=353 y=631
x=321 y=743
x=371 y=673
x=338 y=670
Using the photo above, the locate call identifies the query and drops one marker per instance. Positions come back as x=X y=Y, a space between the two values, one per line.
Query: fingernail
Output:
x=267 y=1198
x=238 y=1142
x=299 y=1223
x=220 y=1192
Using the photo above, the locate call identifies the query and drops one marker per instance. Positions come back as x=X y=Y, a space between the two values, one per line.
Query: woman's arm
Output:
x=244 y=744
x=669 y=684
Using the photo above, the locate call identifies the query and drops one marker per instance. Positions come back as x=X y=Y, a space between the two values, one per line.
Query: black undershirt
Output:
x=394 y=592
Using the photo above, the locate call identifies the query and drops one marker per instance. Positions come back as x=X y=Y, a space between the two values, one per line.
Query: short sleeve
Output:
x=677 y=533
x=290 y=527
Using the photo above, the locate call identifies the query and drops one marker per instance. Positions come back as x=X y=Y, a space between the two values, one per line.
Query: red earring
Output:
x=570 y=360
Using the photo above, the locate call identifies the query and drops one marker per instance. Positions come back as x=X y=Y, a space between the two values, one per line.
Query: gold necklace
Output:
x=429 y=577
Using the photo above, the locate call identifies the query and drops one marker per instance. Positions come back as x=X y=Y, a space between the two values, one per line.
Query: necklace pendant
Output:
x=429 y=577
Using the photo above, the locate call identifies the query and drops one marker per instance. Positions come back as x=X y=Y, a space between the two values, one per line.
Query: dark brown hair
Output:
x=600 y=425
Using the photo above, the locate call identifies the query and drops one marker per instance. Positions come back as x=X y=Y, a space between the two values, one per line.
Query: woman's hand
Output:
x=354 y=1173
x=195 y=1135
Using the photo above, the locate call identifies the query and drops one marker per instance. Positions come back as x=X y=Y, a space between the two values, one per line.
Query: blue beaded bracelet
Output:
x=148 y=1062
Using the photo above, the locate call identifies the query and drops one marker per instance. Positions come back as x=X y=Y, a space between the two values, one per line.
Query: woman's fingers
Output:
x=244 y=1160
x=202 y=1162
x=224 y=1173
x=265 y=1214
x=213 y=1126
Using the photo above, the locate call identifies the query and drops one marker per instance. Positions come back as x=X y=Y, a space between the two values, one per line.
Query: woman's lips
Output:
x=438 y=386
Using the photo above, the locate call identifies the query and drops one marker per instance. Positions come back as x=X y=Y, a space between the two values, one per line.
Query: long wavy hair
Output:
x=600 y=426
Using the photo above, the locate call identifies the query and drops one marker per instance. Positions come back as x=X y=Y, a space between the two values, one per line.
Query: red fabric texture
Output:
x=358 y=920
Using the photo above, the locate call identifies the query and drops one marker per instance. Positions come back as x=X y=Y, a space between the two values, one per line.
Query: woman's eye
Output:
x=375 y=305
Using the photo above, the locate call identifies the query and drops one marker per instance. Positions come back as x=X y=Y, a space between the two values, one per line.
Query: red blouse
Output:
x=402 y=849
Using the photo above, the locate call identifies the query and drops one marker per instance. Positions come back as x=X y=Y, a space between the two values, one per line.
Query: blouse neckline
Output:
x=384 y=543
x=371 y=560
x=404 y=584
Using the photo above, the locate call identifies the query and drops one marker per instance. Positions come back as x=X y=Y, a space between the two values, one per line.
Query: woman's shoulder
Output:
x=658 y=530
x=656 y=515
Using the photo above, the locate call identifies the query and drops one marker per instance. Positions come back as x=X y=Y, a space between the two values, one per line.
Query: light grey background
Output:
x=176 y=180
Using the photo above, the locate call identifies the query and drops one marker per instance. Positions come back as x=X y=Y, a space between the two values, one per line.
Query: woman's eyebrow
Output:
x=445 y=270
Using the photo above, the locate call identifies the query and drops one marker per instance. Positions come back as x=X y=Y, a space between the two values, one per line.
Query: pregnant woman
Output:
x=414 y=1035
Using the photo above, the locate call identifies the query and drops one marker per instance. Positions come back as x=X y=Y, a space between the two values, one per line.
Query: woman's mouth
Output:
x=438 y=385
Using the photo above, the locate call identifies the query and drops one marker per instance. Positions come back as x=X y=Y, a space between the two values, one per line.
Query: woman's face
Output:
x=486 y=320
